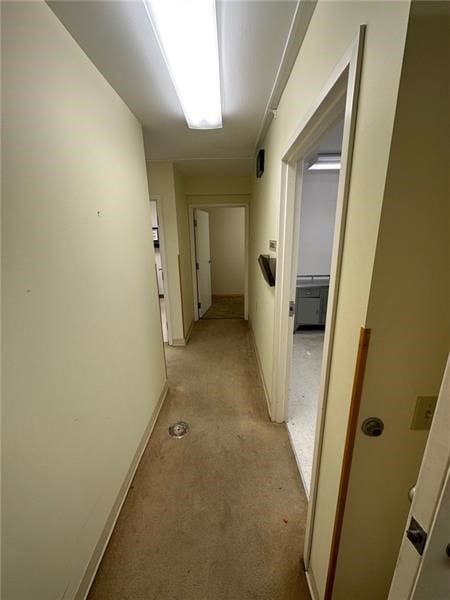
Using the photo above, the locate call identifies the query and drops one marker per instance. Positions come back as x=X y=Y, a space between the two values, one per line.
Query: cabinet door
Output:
x=309 y=311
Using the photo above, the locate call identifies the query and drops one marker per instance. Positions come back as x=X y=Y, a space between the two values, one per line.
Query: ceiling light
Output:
x=187 y=34
x=325 y=162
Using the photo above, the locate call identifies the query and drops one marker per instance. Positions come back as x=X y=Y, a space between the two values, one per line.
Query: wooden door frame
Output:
x=162 y=248
x=341 y=87
x=192 y=207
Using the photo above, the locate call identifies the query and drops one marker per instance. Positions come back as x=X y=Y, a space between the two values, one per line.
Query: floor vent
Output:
x=179 y=429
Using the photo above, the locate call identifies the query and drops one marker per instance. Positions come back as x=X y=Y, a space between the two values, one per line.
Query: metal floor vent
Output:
x=179 y=429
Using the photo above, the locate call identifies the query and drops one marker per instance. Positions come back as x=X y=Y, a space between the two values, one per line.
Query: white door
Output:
x=426 y=575
x=203 y=259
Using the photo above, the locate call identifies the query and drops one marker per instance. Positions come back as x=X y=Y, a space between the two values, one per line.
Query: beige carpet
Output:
x=226 y=307
x=220 y=513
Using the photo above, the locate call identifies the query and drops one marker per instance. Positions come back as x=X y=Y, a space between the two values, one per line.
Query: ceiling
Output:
x=118 y=38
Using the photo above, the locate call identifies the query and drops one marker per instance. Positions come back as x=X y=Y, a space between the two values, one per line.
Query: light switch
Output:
x=424 y=411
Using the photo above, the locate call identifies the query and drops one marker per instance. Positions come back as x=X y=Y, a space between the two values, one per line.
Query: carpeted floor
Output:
x=226 y=307
x=220 y=513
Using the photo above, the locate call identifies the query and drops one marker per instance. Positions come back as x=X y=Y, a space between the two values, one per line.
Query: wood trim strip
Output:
x=181 y=296
x=358 y=381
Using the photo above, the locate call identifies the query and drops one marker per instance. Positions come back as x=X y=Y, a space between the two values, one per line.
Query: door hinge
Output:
x=199 y=305
x=195 y=222
x=197 y=266
x=291 y=308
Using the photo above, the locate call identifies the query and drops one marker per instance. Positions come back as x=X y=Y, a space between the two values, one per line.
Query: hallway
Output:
x=220 y=513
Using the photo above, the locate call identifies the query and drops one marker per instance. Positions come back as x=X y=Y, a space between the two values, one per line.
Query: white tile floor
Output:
x=303 y=399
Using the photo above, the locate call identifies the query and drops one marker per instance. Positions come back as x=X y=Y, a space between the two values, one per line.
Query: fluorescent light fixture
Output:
x=325 y=162
x=187 y=34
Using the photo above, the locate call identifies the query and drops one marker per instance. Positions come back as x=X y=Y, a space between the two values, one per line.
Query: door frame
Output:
x=192 y=207
x=340 y=94
x=162 y=248
x=430 y=493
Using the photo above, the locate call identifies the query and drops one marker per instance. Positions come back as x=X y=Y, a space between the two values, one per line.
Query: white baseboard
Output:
x=311 y=585
x=184 y=341
x=261 y=374
x=102 y=543
x=188 y=335
x=291 y=441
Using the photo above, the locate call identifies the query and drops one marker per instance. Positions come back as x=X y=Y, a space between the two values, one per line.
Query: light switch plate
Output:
x=423 y=413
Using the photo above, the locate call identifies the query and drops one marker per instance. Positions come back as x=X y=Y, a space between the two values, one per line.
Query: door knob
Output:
x=373 y=426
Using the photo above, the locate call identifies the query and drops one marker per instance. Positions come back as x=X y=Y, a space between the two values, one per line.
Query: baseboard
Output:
x=311 y=585
x=102 y=543
x=217 y=296
x=297 y=462
x=183 y=341
x=261 y=374
x=188 y=335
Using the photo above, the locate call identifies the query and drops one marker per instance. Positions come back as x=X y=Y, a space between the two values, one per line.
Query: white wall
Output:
x=318 y=210
x=184 y=244
x=408 y=312
x=165 y=181
x=82 y=352
x=161 y=183
x=227 y=241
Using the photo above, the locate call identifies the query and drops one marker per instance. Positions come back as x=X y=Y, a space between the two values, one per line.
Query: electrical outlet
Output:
x=424 y=412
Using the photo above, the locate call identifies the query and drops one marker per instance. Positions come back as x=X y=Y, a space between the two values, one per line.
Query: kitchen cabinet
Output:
x=311 y=302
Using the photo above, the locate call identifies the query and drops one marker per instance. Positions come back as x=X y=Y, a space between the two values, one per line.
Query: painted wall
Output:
x=184 y=244
x=408 y=312
x=161 y=182
x=226 y=185
x=227 y=241
x=334 y=26
x=82 y=352
x=318 y=211
x=217 y=190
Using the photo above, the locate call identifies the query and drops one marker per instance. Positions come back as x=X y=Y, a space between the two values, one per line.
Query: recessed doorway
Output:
x=160 y=267
x=219 y=250
x=317 y=190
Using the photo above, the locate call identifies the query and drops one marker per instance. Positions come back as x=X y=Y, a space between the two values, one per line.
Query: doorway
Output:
x=338 y=97
x=219 y=251
x=316 y=197
x=160 y=267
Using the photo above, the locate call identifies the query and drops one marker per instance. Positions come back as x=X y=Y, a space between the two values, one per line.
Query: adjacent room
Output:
x=220 y=261
x=157 y=234
x=316 y=195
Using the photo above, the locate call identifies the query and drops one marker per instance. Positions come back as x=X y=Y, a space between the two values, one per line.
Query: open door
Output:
x=203 y=260
x=422 y=570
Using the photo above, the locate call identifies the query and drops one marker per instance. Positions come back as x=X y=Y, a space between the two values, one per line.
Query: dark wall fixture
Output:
x=268 y=268
x=260 y=163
